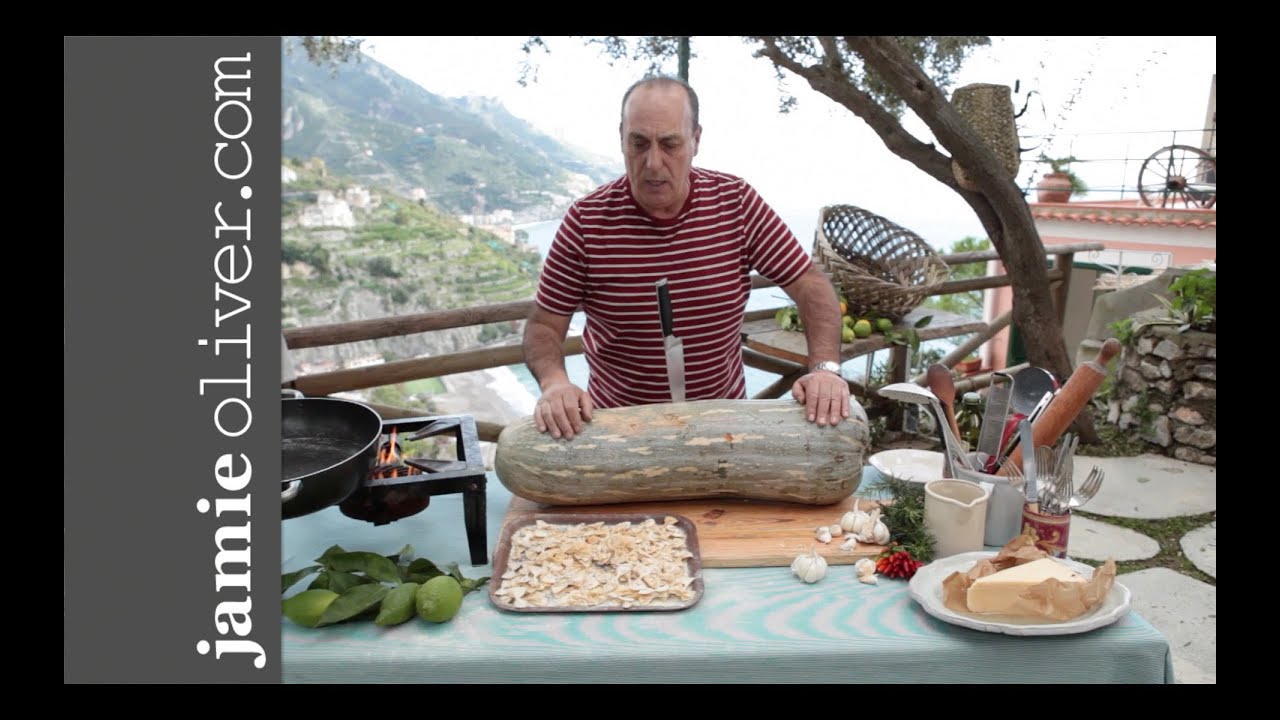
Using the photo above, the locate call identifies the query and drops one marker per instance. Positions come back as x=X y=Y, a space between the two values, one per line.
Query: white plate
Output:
x=907 y=464
x=926 y=589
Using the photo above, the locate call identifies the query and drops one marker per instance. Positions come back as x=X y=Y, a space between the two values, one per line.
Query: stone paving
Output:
x=1181 y=607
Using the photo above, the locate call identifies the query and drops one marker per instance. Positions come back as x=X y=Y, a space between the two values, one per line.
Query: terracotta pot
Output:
x=1054 y=188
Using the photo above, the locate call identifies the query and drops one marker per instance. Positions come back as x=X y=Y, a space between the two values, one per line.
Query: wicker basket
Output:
x=879 y=266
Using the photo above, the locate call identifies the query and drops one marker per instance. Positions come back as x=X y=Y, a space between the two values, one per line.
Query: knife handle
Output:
x=664 y=308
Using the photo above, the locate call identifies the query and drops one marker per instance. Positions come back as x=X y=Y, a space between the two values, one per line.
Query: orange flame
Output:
x=387 y=455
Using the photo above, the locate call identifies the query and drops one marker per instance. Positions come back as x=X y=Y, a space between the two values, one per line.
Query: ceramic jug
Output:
x=955 y=513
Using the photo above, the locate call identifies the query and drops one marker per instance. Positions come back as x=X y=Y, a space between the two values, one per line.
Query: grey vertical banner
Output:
x=171 y=327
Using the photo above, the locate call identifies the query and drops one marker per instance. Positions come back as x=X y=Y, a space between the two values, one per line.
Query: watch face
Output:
x=828 y=366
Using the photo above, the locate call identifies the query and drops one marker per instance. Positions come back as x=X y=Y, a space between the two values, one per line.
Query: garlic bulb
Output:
x=852 y=521
x=873 y=531
x=880 y=533
x=810 y=568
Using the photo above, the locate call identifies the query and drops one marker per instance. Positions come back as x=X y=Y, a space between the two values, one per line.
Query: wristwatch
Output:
x=826 y=365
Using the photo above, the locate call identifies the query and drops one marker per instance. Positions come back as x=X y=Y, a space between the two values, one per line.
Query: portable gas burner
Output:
x=401 y=485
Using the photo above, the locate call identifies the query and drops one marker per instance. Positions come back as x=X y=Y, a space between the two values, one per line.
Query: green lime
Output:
x=398 y=606
x=439 y=599
x=848 y=321
x=846 y=335
x=306 y=607
x=884 y=325
x=862 y=328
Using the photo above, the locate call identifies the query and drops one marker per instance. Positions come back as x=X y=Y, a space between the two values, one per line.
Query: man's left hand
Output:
x=825 y=397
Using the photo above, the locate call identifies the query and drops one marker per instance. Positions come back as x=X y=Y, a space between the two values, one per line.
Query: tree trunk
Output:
x=998 y=204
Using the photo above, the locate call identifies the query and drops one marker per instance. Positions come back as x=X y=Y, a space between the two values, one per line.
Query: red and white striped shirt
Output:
x=607 y=255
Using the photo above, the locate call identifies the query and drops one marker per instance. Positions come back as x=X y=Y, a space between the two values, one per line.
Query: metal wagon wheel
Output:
x=1179 y=175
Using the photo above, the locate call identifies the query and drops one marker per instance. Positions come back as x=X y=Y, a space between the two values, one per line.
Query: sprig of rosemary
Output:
x=904 y=516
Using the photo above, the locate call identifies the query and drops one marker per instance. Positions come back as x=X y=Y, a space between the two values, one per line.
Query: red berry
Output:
x=897 y=564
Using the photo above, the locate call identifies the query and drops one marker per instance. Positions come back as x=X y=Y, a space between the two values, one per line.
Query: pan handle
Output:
x=290 y=492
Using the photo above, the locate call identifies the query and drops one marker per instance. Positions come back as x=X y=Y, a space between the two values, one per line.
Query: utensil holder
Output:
x=1051 y=533
x=1004 y=502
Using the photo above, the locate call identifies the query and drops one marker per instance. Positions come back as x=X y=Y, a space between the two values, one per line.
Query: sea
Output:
x=517 y=384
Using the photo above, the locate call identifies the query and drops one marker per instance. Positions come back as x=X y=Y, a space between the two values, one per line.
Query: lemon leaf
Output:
x=353 y=602
x=288 y=580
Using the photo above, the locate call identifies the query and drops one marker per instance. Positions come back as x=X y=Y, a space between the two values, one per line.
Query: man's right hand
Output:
x=562 y=409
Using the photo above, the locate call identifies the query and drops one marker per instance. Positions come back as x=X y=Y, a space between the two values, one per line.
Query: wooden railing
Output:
x=400 y=371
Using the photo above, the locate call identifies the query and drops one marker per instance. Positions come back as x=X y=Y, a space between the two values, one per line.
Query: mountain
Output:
x=352 y=251
x=469 y=155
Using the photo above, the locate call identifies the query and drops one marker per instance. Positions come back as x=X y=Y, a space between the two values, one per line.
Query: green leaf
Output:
x=422 y=570
x=374 y=565
x=321 y=582
x=924 y=321
x=467 y=584
x=353 y=602
x=288 y=580
x=405 y=554
x=333 y=550
x=341 y=582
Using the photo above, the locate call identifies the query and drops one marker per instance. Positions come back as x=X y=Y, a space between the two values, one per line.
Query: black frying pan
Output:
x=328 y=447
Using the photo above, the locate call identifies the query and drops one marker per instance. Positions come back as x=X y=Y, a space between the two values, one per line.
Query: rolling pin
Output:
x=1068 y=403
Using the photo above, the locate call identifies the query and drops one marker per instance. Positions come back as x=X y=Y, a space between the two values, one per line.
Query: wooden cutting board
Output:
x=740 y=533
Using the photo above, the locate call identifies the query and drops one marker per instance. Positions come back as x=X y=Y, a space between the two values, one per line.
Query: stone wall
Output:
x=1166 y=392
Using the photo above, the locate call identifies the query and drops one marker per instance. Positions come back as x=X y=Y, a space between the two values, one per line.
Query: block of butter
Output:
x=1004 y=592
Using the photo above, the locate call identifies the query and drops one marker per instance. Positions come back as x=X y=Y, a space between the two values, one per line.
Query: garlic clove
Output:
x=824 y=536
x=835 y=530
x=850 y=543
x=868 y=579
x=865 y=567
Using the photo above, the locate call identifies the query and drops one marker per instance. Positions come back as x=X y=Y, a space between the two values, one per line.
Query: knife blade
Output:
x=671 y=344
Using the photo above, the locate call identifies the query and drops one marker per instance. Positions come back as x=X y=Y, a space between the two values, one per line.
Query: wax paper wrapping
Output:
x=1051 y=600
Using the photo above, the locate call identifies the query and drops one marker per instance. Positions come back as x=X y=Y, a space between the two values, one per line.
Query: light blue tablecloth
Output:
x=753 y=625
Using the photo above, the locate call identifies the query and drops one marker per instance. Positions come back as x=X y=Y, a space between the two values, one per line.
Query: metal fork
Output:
x=1062 y=498
x=1088 y=488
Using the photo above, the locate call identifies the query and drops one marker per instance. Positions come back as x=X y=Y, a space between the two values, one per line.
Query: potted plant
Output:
x=1195 y=302
x=970 y=365
x=1060 y=183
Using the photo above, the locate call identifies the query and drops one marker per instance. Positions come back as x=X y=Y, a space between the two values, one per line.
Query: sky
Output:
x=1133 y=92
